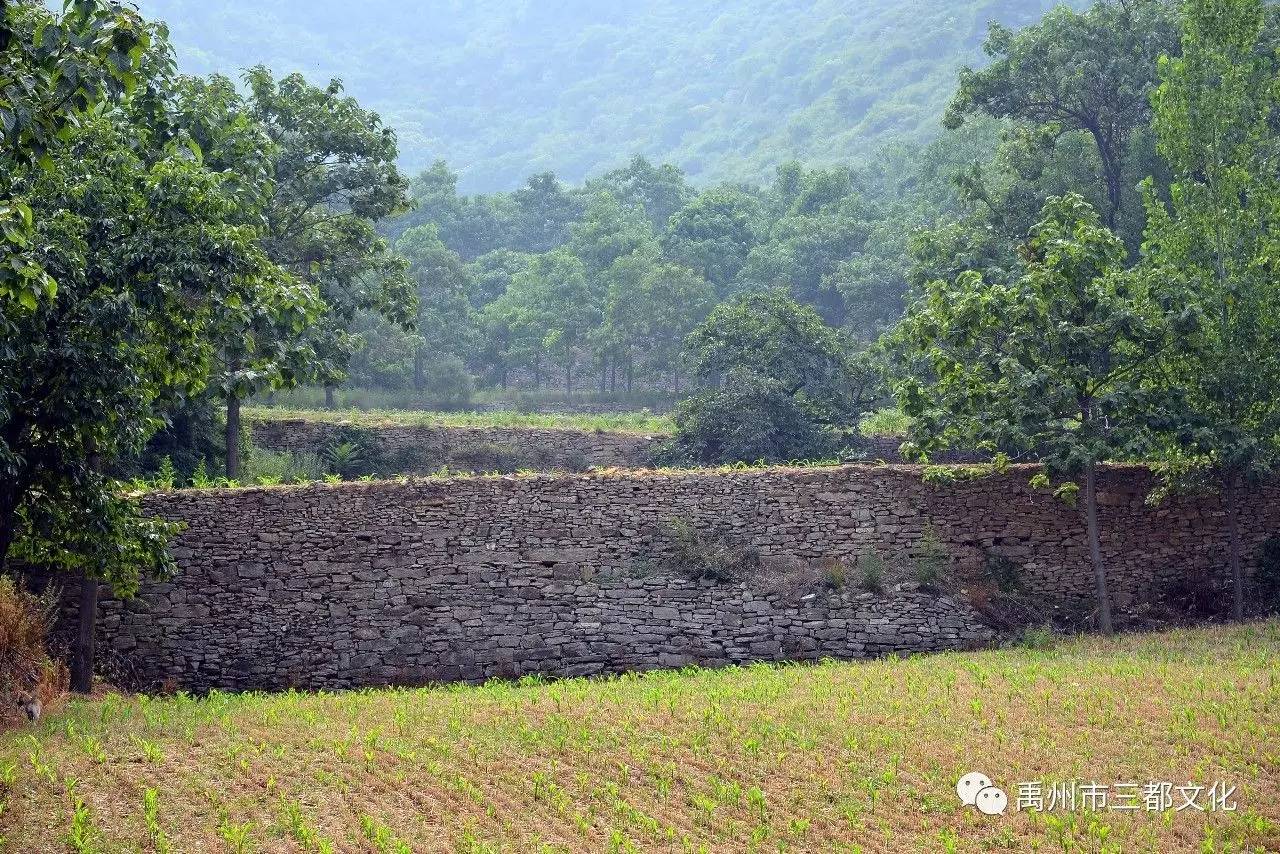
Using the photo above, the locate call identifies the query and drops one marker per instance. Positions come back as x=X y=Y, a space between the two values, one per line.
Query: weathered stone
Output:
x=362 y=584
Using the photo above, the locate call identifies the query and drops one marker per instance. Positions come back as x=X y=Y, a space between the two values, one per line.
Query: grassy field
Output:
x=618 y=422
x=858 y=756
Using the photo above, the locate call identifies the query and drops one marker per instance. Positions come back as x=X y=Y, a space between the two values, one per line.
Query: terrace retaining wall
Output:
x=423 y=449
x=364 y=584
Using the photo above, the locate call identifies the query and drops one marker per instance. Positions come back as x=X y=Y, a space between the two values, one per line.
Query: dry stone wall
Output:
x=423 y=449
x=364 y=584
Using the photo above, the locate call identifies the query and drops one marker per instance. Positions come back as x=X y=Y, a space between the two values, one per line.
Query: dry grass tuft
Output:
x=860 y=756
x=27 y=672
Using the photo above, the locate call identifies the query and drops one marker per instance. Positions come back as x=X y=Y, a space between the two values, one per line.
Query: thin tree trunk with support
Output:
x=1231 y=499
x=1105 y=624
x=86 y=622
x=233 y=436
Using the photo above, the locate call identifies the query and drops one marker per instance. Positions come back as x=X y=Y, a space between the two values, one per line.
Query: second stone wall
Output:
x=410 y=449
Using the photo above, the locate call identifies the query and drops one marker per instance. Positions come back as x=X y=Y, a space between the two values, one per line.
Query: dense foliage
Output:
x=727 y=91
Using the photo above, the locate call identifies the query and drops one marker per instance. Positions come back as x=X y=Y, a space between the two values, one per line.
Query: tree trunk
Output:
x=82 y=658
x=568 y=377
x=613 y=376
x=1095 y=549
x=328 y=397
x=233 y=437
x=1233 y=549
x=1111 y=173
x=675 y=376
x=631 y=374
x=537 y=372
x=418 y=380
x=8 y=523
x=604 y=373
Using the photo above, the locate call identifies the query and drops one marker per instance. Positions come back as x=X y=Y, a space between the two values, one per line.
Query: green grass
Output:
x=619 y=422
x=860 y=756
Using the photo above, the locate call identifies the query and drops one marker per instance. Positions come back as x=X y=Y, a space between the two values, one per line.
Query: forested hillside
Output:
x=502 y=90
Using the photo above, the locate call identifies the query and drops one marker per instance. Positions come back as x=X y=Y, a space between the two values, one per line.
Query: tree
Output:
x=778 y=384
x=55 y=72
x=444 y=315
x=547 y=309
x=714 y=233
x=1216 y=241
x=1053 y=363
x=1088 y=72
x=334 y=175
x=650 y=306
x=659 y=191
x=544 y=210
x=822 y=223
x=263 y=342
x=145 y=247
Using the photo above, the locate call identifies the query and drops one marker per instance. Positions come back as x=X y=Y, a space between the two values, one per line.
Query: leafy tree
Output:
x=263 y=342
x=1053 y=363
x=1089 y=72
x=822 y=223
x=607 y=231
x=544 y=210
x=714 y=233
x=145 y=247
x=659 y=191
x=443 y=321
x=547 y=310
x=55 y=72
x=650 y=307
x=490 y=275
x=1216 y=240
x=778 y=384
x=335 y=175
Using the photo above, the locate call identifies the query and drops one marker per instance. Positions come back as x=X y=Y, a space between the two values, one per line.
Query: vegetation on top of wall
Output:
x=617 y=422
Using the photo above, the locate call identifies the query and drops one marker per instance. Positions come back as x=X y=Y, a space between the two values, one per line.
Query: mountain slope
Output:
x=504 y=88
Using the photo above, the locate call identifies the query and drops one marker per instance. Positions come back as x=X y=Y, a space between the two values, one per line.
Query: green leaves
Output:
x=779 y=384
x=1216 y=240
x=1051 y=363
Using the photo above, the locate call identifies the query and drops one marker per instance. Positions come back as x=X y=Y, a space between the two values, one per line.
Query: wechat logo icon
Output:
x=976 y=790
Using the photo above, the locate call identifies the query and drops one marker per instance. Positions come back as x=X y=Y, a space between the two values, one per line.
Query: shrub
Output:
x=448 y=382
x=931 y=561
x=1036 y=637
x=1003 y=572
x=885 y=422
x=354 y=452
x=872 y=569
x=752 y=418
x=27 y=673
x=835 y=574
x=269 y=467
x=698 y=556
x=344 y=458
